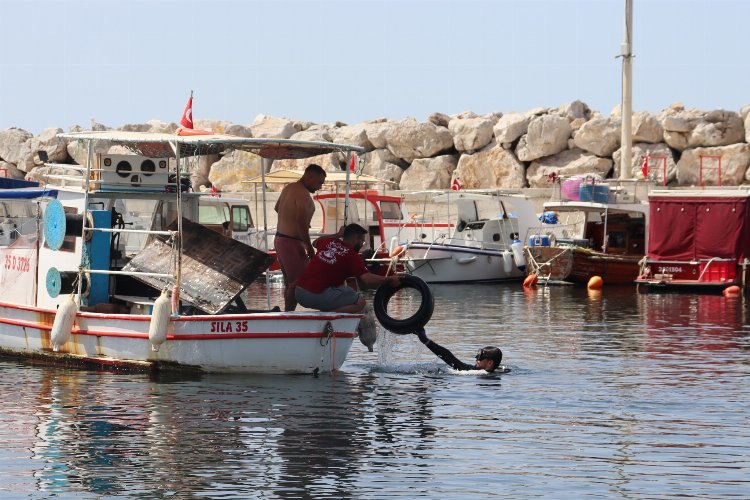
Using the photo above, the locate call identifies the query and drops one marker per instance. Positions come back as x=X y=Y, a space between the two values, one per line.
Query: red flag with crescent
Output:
x=187 y=115
x=352 y=163
x=455 y=185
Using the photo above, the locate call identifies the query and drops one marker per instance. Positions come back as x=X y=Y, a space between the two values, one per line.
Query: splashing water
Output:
x=386 y=341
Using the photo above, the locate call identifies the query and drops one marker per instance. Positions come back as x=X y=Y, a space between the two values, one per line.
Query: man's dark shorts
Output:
x=329 y=299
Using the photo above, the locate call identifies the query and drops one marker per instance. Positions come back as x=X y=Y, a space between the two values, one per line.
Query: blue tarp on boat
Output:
x=27 y=193
x=6 y=183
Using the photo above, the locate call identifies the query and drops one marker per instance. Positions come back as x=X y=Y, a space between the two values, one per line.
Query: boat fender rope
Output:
x=413 y=323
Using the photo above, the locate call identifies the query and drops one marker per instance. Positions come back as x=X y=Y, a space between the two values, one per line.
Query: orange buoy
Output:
x=531 y=280
x=732 y=291
x=397 y=251
x=595 y=283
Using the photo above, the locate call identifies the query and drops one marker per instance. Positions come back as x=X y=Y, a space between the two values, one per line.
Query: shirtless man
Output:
x=292 y=242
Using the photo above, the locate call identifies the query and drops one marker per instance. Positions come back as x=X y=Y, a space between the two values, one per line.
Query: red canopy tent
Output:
x=692 y=227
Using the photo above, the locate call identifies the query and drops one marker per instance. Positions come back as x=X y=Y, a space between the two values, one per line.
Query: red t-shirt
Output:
x=333 y=263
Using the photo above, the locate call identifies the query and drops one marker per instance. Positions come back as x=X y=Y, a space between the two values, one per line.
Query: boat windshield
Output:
x=390 y=210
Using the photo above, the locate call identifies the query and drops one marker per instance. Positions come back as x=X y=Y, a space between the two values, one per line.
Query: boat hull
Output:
x=712 y=275
x=457 y=264
x=236 y=343
x=578 y=265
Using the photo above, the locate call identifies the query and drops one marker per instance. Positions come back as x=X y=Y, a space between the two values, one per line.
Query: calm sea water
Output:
x=611 y=395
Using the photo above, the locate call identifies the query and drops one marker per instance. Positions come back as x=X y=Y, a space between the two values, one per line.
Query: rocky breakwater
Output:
x=511 y=150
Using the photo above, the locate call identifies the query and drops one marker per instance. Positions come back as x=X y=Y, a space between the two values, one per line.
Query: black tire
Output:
x=417 y=320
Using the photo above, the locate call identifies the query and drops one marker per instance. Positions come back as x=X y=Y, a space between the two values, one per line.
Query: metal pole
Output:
x=626 y=52
x=178 y=270
x=346 y=194
x=89 y=160
x=266 y=163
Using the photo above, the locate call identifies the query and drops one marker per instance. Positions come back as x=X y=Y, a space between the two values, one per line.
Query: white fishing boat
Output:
x=481 y=248
x=80 y=291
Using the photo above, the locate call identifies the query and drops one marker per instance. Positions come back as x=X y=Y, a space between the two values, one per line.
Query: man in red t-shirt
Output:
x=322 y=284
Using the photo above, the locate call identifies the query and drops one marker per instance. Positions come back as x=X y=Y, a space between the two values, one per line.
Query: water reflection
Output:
x=612 y=394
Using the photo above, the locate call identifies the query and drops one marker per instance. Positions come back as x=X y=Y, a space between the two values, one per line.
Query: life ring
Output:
x=396 y=252
x=413 y=323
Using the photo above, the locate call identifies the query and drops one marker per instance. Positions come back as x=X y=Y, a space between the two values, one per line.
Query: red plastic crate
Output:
x=718 y=270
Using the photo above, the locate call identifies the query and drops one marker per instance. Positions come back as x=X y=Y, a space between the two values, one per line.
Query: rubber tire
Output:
x=413 y=323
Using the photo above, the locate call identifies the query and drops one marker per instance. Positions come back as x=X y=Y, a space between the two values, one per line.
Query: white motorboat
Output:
x=79 y=291
x=481 y=248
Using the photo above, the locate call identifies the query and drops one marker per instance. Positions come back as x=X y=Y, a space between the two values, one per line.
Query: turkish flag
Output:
x=187 y=115
x=352 y=164
x=455 y=185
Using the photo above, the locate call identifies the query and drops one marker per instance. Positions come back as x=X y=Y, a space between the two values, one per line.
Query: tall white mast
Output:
x=626 y=109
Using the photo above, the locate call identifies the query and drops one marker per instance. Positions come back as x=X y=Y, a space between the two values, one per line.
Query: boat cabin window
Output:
x=213 y=214
x=241 y=219
x=617 y=239
x=390 y=210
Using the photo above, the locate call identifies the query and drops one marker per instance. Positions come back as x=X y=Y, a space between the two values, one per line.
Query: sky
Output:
x=66 y=62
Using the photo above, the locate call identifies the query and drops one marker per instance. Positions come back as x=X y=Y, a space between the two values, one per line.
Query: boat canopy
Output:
x=287 y=176
x=691 y=227
x=161 y=145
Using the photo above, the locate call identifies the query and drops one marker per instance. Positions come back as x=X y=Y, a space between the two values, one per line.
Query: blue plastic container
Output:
x=594 y=192
x=538 y=240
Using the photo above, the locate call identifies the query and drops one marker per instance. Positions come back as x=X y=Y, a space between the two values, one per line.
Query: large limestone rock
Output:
x=78 y=151
x=547 y=135
x=377 y=130
x=693 y=128
x=7 y=169
x=565 y=164
x=135 y=127
x=734 y=162
x=331 y=162
x=492 y=167
x=658 y=155
x=471 y=134
x=429 y=173
x=439 y=119
x=40 y=174
x=745 y=111
x=200 y=168
x=382 y=164
x=510 y=127
x=410 y=140
x=353 y=135
x=575 y=110
x=747 y=128
x=599 y=135
x=273 y=128
x=228 y=173
x=314 y=133
x=646 y=128
x=158 y=126
x=55 y=147
x=238 y=130
x=11 y=144
x=215 y=126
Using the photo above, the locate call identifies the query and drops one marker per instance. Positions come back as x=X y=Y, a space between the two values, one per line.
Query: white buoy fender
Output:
x=517 y=248
x=507 y=262
x=63 y=324
x=160 y=312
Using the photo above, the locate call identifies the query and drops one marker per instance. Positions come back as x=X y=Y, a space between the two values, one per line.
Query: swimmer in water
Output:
x=487 y=359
